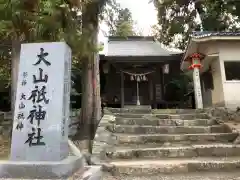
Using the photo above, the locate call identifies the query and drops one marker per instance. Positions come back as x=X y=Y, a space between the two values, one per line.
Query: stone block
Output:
x=41 y=169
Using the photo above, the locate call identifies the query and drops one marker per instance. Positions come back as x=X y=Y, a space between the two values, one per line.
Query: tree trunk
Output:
x=96 y=85
x=16 y=46
x=96 y=91
x=84 y=134
x=90 y=75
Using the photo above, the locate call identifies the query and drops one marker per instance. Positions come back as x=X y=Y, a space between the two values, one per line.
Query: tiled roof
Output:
x=198 y=34
x=137 y=46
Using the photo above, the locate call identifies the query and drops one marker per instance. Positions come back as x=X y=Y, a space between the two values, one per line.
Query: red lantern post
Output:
x=195 y=64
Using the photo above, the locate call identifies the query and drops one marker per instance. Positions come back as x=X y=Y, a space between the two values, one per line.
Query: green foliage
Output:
x=179 y=18
x=30 y=21
x=123 y=29
x=33 y=21
x=119 y=20
x=42 y=21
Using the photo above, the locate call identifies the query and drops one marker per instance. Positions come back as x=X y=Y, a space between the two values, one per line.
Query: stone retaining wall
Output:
x=73 y=124
x=224 y=114
x=5 y=123
x=230 y=117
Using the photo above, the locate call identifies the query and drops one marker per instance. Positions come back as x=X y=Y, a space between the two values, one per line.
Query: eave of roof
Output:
x=131 y=38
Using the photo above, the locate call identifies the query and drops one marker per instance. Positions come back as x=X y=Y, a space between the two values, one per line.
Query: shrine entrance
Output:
x=137 y=82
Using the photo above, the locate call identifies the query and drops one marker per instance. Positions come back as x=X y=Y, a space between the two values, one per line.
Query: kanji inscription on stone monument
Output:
x=40 y=128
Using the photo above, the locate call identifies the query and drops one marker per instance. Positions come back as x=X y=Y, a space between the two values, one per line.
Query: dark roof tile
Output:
x=137 y=46
x=199 y=34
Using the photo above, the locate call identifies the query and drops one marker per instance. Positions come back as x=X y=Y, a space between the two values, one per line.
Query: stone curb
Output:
x=220 y=114
x=103 y=138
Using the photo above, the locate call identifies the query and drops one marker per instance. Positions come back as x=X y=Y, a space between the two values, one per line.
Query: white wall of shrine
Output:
x=217 y=91
x=228 y=52
x=225 y=92
x=215 y=94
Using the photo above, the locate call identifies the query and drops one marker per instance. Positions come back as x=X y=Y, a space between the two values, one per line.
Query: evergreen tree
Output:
x=179 y=18
x=119 y=20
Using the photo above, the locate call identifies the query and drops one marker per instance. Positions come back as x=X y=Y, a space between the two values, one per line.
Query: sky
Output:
x=143 y=13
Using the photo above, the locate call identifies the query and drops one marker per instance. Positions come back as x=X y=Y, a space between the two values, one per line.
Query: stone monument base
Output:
x=41 y=169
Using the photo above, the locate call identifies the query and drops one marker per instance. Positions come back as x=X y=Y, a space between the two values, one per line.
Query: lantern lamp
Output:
x=138 y=79
x=166 y=69
x=144 y=78
x=132 y=78
x=105 y=68
x=195 y=60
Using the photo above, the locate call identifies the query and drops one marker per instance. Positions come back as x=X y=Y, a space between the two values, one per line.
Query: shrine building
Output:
x=138 y=70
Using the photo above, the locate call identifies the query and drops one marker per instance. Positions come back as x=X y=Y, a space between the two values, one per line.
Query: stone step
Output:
x=172 y=166
x=183 y=116
x=177 y=111
x=164 y=122
x=233 y=175
x=160 y=138
x=205 y=150
x=164 y=116
x=170 y=144
x=136 y=129
x=130 y=115
x=131 y=110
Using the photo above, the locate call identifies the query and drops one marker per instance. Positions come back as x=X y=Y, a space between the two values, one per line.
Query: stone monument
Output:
x=39 y=146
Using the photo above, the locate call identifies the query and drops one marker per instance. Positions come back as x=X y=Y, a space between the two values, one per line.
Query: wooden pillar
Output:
x=162 y=80
x=150 y=84
x=151 y=90
x=122 y=90
x=154 y=89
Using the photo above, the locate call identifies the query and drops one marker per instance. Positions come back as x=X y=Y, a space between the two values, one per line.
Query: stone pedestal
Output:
x=41 y=169
x=69 y=168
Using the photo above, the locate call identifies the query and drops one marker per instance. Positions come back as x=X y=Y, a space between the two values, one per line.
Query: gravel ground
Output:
x=195 y=176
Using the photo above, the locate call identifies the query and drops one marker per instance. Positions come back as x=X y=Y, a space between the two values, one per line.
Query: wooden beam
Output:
x=122 y=90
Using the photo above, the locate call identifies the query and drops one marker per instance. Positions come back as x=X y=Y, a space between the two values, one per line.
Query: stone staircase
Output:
x=147 y=144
